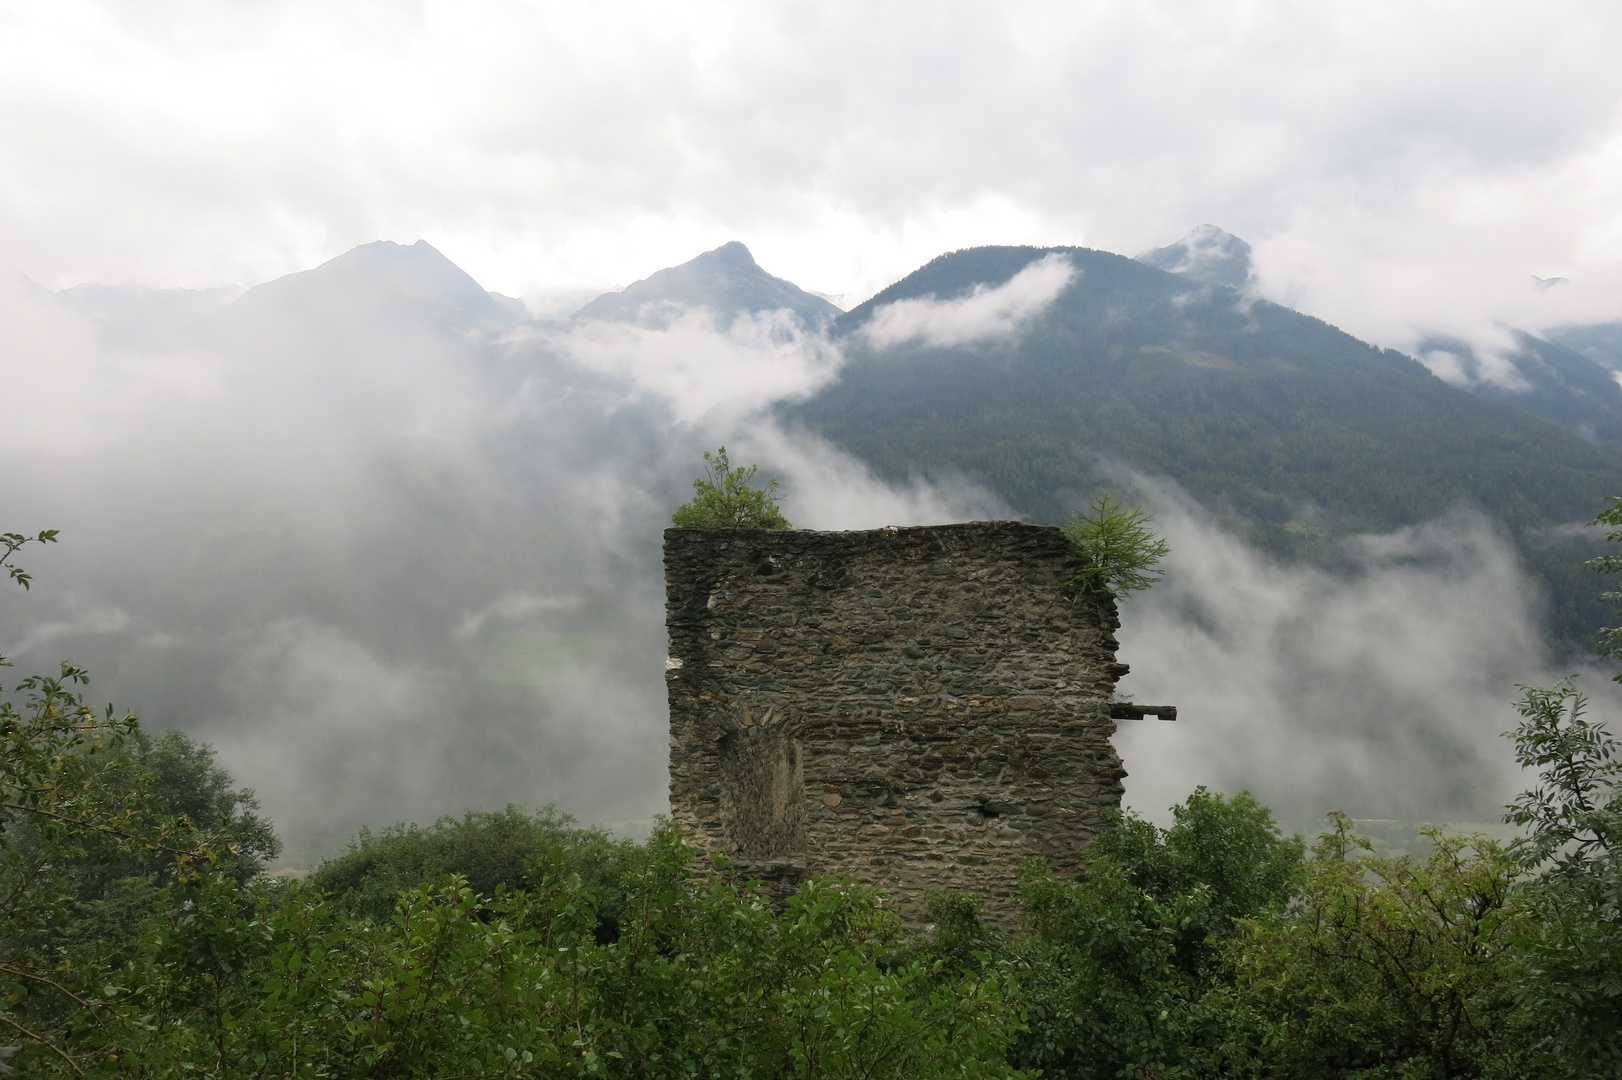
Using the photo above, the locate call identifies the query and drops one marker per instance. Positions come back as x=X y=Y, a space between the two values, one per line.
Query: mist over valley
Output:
x=391 y=545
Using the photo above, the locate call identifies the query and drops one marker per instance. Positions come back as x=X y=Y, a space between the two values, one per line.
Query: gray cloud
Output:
x=1381 y=689
x=1490 y=367
x=514 y=607
x=393 y=558
x=1401 y=168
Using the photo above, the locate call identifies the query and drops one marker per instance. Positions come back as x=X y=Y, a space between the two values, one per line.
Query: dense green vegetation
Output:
x=139 y=938
x=1294 y=431
x=1212 y=948
x=493 y=851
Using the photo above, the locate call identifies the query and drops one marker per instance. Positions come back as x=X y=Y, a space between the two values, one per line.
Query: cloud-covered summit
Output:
x=410 y=283
x=727 y=282
x=984 y=312
x=1206 y=254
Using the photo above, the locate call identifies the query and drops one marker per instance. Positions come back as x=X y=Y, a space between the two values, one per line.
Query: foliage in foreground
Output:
x=492 y=850
x=704 y=980
x=138 y=938
x=1573 y=948
x=1388 y=967
x=1212 y=948
x=1114 y=966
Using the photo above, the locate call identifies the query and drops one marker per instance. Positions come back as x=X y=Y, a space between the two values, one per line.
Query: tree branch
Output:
x=63 y=1054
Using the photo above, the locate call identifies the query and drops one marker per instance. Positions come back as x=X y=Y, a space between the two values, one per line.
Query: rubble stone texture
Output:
x=912 y=707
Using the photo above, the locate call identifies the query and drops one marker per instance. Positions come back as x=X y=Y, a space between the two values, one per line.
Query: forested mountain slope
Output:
x=1548 y=379
x=1567 y=375
x=1599 y=342
x=1296 y=431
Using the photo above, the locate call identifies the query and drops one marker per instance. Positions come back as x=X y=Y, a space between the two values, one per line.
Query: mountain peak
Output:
x=726 y=281
x=1207 y=254
x=414 y=282
x=732 y=254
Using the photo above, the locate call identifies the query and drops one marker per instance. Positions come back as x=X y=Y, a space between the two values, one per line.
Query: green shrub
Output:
x=1120 y=551
x=705 y=979
x=723 y=499
x=1114 y=968
x=1573 y=948
x=491 y=850
x=1389 y=968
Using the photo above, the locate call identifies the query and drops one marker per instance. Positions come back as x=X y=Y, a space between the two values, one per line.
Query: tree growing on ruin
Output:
x=1120 y=549
x=723 y=498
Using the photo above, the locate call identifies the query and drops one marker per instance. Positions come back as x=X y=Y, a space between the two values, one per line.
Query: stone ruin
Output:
x=914 y=708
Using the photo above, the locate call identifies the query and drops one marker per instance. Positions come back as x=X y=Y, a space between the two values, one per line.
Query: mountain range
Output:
x=377 y=534
x=1293 y=432
x=1296 y=433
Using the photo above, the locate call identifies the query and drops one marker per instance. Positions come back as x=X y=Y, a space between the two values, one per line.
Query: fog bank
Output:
x=1381 y=688
x=392 y=552
x=396 y=553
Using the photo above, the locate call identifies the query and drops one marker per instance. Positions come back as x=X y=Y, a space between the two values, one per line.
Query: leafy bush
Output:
x=108 y=885
x=705 y=979
x=1114 y=965
x=98 y=824
x=1573 y=949
x=1227 y=847
x=491 y=850
x=1390 y=967
x=83 y=863
x=1120 y=551
x=723 y=499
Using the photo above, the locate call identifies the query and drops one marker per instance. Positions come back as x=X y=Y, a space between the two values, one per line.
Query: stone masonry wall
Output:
x=912 y=707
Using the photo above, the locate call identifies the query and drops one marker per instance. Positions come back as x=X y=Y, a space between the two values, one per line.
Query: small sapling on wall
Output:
x=1118 y=545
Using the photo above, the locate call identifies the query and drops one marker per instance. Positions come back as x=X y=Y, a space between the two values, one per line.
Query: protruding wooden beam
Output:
x=1123 y=710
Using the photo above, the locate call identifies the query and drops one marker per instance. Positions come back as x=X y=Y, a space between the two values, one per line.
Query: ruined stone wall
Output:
x=912 y=707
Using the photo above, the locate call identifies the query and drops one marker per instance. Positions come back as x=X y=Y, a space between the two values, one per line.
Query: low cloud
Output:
x=1467 y=367
x=828 y=489
x=693 y=367
x=394 y=568
x=982 y=313
x=515 y=607
x=100 y=621
x=1382 y=689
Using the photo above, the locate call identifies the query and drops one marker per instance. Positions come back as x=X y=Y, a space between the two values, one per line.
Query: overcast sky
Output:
x=1400 y=166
